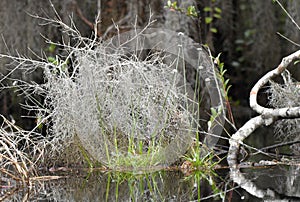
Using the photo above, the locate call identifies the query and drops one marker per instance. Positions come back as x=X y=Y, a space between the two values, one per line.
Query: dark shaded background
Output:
x=246 y=36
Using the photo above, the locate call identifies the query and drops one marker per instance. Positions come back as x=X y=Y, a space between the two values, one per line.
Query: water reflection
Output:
x=114 y=186
x=279 y=183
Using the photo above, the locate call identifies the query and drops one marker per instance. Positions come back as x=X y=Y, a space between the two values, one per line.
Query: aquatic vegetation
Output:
x=199 y=159
x=133 y=103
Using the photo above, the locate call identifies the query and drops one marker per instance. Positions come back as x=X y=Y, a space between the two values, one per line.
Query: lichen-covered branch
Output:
x=237 y=138
x=267 y=115
x=268 y=112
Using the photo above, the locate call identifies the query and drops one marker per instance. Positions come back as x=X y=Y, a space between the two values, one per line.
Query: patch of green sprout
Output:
x=201 y=159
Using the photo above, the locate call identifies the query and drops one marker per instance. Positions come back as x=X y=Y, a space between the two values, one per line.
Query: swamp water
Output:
x=269 y=183
x=160 y=186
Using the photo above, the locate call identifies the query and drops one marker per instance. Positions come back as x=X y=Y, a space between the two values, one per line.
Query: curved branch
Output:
x=237 y=139
x=266 y=117
x=282 y=112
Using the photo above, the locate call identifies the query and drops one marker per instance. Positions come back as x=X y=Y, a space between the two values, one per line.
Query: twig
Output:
x=288 y=39
x=98 y=25
x=121 y=21
x=287 y=13
x=277 y=145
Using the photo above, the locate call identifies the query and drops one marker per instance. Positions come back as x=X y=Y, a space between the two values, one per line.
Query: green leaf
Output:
x=226 y=82
x=207 y=9
x=51 y=48
x=223 y=71
x=218 y=10
x=64 y=67
x=213 y=111
x=228 y=88
x=174 y=5
x=52 y=60
x=169 y=3
x=213 y=30
x=39 y=122
x=191 y=11
x=220 y=108
x=217 y=16
x=208 y=20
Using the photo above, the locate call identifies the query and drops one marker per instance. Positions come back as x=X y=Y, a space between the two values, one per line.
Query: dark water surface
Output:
x=163 y=186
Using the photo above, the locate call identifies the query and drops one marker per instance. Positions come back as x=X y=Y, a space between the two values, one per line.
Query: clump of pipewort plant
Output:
x=106 y=102
x=118 y=106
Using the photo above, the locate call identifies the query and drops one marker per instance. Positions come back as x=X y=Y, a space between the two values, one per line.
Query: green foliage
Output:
x=189 y=11
x=218 y=11
x=213 y=30
x=51 y=48
x=56 y=60
x=215 y=113
x=224 y=89
x=53 y=60
x=212 y=13
x=173 y=5
x=201 y=158
x=198 y=176
x=208 y=20
x=61 y=64
x=86 y=156
x=199 y=162
x=202 y=167
x=242 y=44
x=222 y=71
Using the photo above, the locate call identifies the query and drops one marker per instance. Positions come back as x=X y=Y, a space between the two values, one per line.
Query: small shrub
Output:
x=121 y=109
